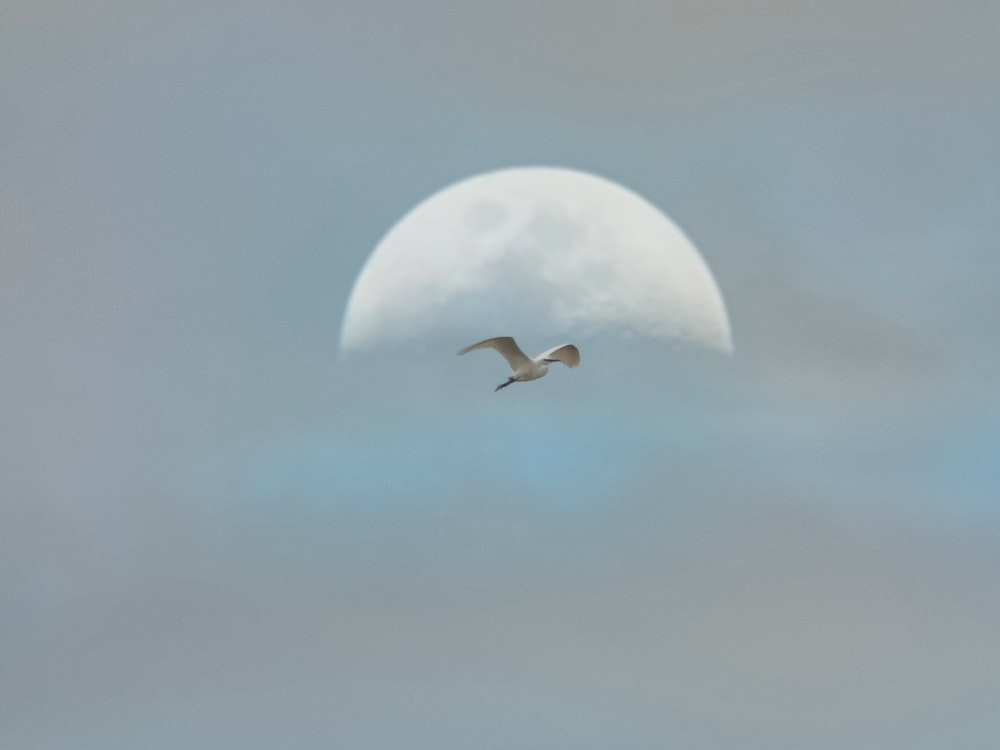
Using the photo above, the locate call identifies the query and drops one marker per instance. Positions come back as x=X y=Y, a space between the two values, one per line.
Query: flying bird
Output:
x=523 y=366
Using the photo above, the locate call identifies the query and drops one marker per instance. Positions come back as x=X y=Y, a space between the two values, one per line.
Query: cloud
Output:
x=777 y=625
x=646 y=58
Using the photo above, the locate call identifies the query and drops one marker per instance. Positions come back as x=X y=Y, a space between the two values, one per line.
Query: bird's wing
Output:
x=568 y=354
x=507 y=347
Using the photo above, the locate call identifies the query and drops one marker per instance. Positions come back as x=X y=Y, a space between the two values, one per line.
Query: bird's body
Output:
x=522 y=366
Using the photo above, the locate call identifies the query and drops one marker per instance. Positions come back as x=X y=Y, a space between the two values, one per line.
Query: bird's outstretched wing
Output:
x=507 y=347
x=568 y=354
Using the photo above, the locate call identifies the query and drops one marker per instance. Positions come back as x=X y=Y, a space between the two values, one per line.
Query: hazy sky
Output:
x=214 y=533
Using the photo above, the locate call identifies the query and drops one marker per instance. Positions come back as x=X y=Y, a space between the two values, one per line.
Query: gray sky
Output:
x=214 y=533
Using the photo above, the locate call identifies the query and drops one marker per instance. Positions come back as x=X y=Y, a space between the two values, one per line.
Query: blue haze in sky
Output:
x=215 y=532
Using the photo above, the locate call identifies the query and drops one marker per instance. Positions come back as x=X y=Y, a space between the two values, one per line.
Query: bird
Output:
x=523 y=366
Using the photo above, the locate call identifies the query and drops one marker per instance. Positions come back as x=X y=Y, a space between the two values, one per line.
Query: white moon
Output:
x=534 y=251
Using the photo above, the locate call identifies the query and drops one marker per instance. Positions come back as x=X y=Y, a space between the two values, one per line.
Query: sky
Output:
x=215 y=532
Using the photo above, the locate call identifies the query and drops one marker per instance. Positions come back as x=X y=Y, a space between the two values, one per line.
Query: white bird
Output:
x=523 y=366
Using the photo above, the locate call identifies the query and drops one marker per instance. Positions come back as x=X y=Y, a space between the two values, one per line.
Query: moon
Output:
x=534 y=250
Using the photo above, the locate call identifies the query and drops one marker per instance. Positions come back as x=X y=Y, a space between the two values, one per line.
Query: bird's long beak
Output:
x=504 y=385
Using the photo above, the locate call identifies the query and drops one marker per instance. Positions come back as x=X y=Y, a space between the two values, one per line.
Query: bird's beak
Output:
x=503 y=385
